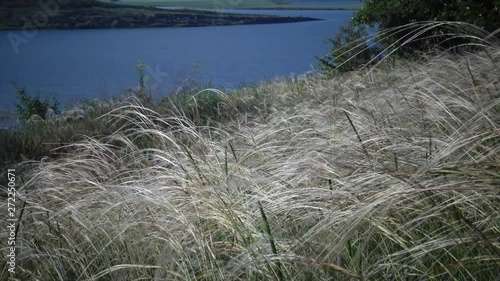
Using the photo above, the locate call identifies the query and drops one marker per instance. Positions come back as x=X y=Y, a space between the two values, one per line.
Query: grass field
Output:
x=389 y=173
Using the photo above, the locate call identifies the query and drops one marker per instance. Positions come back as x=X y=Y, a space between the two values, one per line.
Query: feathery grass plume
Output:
x=411 y=194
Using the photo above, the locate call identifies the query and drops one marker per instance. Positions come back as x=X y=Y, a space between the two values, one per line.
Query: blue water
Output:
x=77 y=64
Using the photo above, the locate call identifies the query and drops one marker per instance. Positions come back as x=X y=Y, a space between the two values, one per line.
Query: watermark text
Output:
x=11 y=221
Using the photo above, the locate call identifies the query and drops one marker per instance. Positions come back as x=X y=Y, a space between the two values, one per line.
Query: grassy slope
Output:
x=377 y=176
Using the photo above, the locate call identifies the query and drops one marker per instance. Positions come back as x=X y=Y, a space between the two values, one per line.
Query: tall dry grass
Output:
x=387 y=174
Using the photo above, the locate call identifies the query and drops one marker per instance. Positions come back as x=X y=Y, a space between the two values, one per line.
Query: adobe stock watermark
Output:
x=150 y=78
x=155 y=76
x=11 y=221
x=49 y=8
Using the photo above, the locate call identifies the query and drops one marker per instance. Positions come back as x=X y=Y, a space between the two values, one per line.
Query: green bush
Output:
x=410 y=27
x=483 y=14
x=35 y=140
x=29 y=106
x=142 y=91
x=386 y=14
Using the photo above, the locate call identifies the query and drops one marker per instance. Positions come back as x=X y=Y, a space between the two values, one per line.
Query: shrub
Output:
x=410 y=28
x=140 y=72
x=35 y=140
x=393 y=13
x=29 y=106
x=141 y=92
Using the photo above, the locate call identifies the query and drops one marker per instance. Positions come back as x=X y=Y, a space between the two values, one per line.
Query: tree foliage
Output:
x=394 y=14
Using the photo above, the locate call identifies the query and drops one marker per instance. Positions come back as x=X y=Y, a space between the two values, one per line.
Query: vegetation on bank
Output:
x=385 y=173
x=400 y=37
x=86 y=14
x=42 y=128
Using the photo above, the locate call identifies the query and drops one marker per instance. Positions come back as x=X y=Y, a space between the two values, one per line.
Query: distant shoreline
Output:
x=87 y=14
x=259 y=19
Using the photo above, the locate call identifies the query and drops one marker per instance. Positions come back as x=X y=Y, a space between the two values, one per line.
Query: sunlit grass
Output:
x=389 y=173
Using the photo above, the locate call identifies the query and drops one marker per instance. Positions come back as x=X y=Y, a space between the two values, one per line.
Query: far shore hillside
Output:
x=88 y=14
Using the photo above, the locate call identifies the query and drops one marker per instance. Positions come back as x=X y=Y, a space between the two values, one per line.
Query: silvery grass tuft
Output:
x=388 y=173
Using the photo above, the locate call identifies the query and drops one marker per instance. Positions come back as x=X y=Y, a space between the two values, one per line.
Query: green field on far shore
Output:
x=236 y=4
